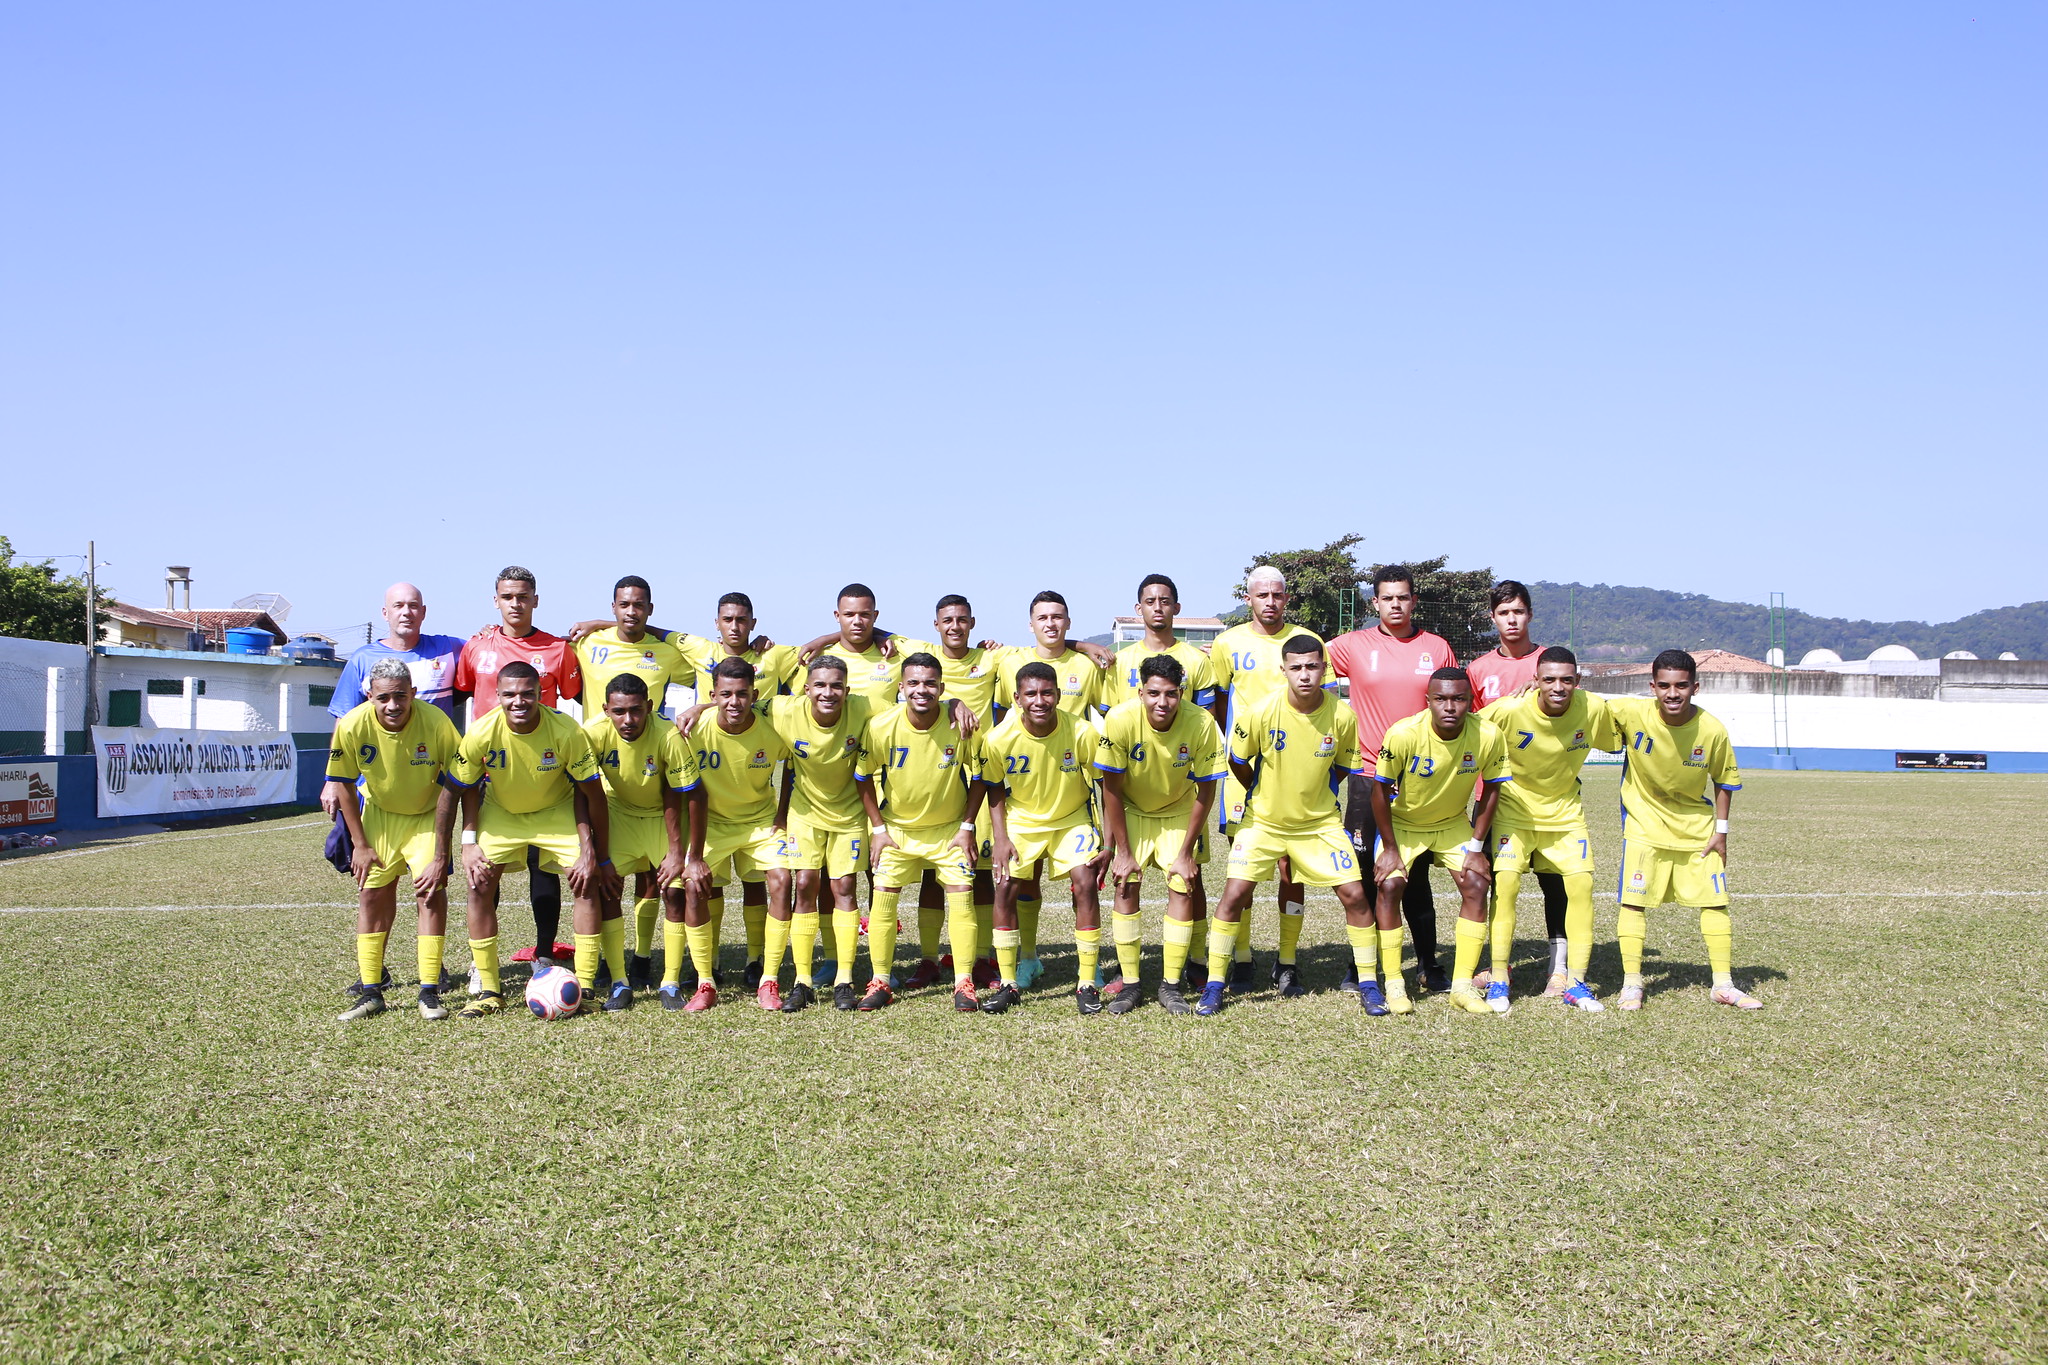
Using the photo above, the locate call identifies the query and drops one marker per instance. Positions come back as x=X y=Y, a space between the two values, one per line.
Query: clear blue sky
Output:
x=1724 y=298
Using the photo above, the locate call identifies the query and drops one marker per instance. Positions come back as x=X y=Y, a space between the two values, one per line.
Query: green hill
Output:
x=1634 y=623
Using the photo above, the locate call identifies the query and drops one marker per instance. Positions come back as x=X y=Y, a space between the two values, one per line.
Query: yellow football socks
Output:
x=803 y=943
x=370 y=958
x=612 y=936
x=1006 y=944
x=882 y=934
x=961 y=931
x=1291 y=917
x=714 y=910
x=929 y=920
x=1241 y=945
x=1176 y=938
x=430 y=947
x=1088 y=947
x=484 y=953
x=776 y=934
x=1222 y=944
x=1365 y=947
x=1630 y=925
x=1719 y=933
x=674 y=938
x=703 y=950
x=846 y=941
x=645 y=912
x=1129 y=931
x=1390 y=958
x=1471 y=940
x=589 y=952
x=756 y=917
x=1578 y=922
x=1506 y=886
x=1027 y=928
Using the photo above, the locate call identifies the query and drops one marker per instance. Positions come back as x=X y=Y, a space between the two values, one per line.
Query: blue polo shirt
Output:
x=433 y=673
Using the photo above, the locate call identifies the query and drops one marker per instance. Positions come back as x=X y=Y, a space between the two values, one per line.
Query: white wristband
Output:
x=1720 y=827
x=1473 y=846
x=967 y=827
x=878 y=831
x=469 y=836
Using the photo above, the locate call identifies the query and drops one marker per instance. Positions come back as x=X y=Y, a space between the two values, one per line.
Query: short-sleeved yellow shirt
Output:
x=524 y=773
x=925 y=774
x=1160 y=768
x=1049 y=778
x=399 y=771
x=1299 y=757
x=1432 y=777
x=1670 y=774
x=636 y=772
x=824 y=759
x=738 y=771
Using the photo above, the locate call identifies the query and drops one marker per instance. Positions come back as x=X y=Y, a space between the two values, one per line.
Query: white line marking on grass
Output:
x=168 y=839
x=87 y=909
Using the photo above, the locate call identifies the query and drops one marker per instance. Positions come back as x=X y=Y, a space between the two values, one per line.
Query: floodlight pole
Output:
x=1781 y=699
x=92 y=636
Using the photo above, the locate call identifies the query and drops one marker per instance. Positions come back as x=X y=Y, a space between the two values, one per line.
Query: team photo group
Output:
x=963 y=773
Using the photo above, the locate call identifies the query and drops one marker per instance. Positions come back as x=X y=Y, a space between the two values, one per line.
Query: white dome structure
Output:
x=1775 y=657
x=1892 y=654
x=1959 y=654
x=1814 y=658
x=2009 y=655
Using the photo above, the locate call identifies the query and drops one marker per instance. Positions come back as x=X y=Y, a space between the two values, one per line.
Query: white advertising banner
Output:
x=165 y=772
x=28 y=793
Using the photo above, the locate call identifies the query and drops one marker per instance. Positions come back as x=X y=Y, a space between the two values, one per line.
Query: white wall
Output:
x=1881 y=723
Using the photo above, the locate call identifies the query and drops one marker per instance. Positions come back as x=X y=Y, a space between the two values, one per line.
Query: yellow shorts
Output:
x=748 y=848
x=1445 y=841
x=1321 y=857
x=1062 y=849
x=505 y=835
x=1549 y=850
x=811 y=848
x=402 y=843
x=917 y=847
x=1157 y=840
x=639 y=841
x=1655 y=876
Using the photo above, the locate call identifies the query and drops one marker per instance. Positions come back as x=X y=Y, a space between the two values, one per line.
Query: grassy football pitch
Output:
x=199 y=1163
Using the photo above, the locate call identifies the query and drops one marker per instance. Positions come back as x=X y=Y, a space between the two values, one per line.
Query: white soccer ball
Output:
x=553 y=993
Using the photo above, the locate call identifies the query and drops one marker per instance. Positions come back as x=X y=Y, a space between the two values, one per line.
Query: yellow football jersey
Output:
x=1199 y=686
x=399 y=771
x=1545 y=754
x=970 y=679
x=1081 y=682
x=1670 y=773
x=636 y=772
x=870 y=675
x=738 y=771
x=524 y=773
x=1049 y=777
x=824 y=760
x=1299 y=759
x=925 y=774
x=1433 y=777
x=776 y=670
x=656 y=658
x=1161 y=767
x=1246 y=666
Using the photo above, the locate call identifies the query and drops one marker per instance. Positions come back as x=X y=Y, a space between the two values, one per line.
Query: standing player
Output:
x=1389 y=665
x=930 y=773
x=1499 y=675
x=396 y=750
x=776 y=670
x=876 y=664
x=1540 y=822
x=630 y=645
x=538 y=763
x=736 y=756
x=1161 y=760
x=1037 y=767
x=430 y=658
x=1246 y=664
x=1422 y=803
x=825 y=838
x=1674 y=833
x=516 y=640
x=1158 y=606
x=1290 y=750
x=655 y=806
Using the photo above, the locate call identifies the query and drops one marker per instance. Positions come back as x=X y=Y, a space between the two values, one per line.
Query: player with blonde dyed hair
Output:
x=384 y=774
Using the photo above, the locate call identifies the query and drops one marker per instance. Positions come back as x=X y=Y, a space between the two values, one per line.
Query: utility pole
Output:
x=92 y=640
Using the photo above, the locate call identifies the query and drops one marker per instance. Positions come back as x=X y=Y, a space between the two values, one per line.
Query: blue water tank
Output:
x=243 y=640
x=304 y=648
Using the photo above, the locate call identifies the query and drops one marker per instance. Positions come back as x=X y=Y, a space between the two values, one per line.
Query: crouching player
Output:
x=543 y=792
x=1290 y=753
x=1674 y=835
x=1549 y=732
x=655 y=806
x=930 y=778
x=1161 y=762
x=1420 y=797
x=396 y=751
x=1037 y=767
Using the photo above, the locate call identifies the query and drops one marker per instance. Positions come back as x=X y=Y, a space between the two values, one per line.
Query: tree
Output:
x=1452 y=602
x=1318 y=582
x=35 y=604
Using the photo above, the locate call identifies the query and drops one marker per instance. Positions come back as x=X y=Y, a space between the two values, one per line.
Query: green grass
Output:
x=199 y=1163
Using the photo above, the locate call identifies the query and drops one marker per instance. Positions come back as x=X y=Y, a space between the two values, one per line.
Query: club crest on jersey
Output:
x=547 y=759
x=852 y=743
x=420 y=755
x=1425 y=663
x=1327 y=747
x=1467 y=763
x=946 y=757
x=1578 y=740
x=1067 y=761
x=647 y=655
x=652 y=767
x=1637 y=881
x=1699 y=757
x=758 y=759
x=1183 y=758
x=1073 y=683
